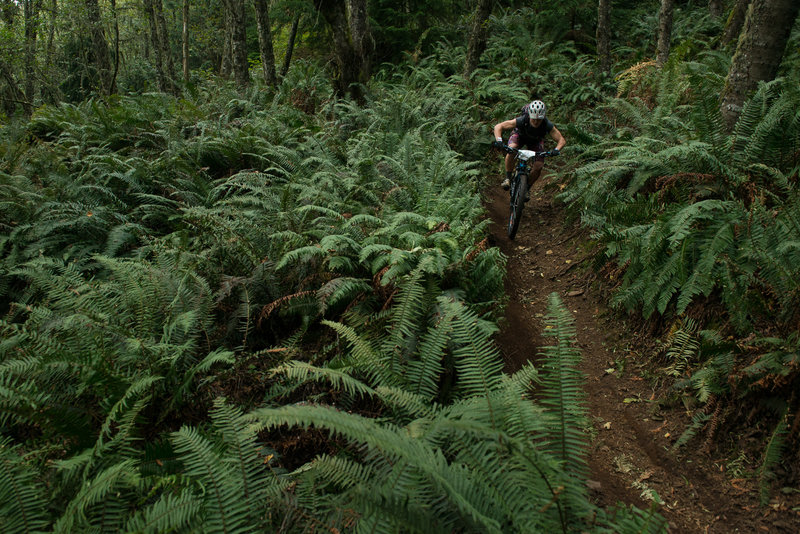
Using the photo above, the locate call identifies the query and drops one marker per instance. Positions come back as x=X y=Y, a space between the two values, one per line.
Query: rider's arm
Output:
x=557 y=137
x=505 y=125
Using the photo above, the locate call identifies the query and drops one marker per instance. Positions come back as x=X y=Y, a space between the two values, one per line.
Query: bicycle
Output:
x=519 y=183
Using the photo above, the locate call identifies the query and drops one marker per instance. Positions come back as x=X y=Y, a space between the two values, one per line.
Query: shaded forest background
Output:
x=245 y=280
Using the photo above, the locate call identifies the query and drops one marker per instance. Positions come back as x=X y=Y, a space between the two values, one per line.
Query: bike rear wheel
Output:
x=517 y=203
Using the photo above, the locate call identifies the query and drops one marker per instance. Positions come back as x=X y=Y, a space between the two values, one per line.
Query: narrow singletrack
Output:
x=631 y=433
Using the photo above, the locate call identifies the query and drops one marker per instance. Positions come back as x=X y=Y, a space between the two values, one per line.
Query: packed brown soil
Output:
x=632 y=431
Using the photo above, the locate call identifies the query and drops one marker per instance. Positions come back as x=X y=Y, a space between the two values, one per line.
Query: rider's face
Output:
x=535 y=122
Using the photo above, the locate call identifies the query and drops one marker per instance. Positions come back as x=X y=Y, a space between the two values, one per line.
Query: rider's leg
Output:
x=513 y=142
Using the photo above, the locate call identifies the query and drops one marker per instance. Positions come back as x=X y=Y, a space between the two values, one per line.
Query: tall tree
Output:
x=113 y=81
x=155 y=42
x=352 y=42
x=99 y=46
x=31 y=16
x=287 y=58
x=265 y=41
x=759 y=52
x=715 y=8
x=237 y=31
x=48 y=92
x=12 y=94
x=477 y=35
x=226 y=61
x=735 y=22
x=163 y=42
x=185 y=41
x=603 y=34
x=664 y=31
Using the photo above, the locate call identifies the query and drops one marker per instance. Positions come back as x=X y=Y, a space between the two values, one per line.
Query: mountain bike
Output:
x=519 y=183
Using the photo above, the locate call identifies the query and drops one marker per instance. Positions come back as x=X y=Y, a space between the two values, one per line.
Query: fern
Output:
x=23 y=507
x=772 y=455
x=562 y=397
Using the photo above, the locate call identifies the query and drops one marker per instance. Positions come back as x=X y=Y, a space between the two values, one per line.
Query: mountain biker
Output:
x=529 y=130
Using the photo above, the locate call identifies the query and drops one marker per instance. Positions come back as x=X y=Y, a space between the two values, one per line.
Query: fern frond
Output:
x=23 y=507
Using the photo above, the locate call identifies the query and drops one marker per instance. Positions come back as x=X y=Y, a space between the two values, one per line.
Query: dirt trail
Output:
x=631 y=433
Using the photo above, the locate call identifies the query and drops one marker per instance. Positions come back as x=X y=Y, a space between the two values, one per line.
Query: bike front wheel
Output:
x=517 y=203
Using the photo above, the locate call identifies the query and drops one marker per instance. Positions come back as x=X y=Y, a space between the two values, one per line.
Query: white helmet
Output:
x=537 y=109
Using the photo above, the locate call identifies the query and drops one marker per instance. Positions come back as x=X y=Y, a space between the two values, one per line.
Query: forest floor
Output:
x=631 y=431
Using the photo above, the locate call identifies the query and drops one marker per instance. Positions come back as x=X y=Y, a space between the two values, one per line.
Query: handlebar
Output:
x=529 y=153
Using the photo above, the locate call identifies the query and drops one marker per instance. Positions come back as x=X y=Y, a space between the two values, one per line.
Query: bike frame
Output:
x=519 y=185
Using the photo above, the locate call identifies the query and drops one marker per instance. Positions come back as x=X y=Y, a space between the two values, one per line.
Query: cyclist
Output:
x=529 y=130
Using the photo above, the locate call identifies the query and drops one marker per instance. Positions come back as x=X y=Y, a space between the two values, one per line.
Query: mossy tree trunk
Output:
x=237 y=31
x=352 y=43
x=185 y=41
x=603 y=35
x=265 y=41
x=477 y=36
x=31 y=14
x=100 y=46
x=759 y=52
x=664 y=31
x=735 y=22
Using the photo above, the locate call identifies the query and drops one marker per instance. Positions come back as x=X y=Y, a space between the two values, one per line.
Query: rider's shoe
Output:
x=505 y=184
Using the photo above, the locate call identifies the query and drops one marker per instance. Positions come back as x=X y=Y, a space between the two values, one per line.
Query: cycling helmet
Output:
x=537 y=109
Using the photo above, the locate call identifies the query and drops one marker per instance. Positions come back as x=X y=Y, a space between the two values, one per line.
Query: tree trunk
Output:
x=290 y=46
x=100 y=47
x=226 y=63
x=477 y=36
x=238 y=39
x=352 y=43
x=362 y=38
x=150 y=12
x=163 y=43
x=31 y=14
x=13 y=94
x=664 y=31
x=113 y=81
x=603 y=35
x=185 y=39
x=49 y=89
x=715 y=8
x=735 y=22
x=759 y=52
x=265 y=42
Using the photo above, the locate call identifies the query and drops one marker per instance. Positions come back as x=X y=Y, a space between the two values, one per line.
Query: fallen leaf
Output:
x=567 y=261
x=607 y=425
x=575 y=293
x=549 y=252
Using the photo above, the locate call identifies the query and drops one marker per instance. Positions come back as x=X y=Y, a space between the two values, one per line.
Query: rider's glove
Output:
x=497 y=143
x=555 y=152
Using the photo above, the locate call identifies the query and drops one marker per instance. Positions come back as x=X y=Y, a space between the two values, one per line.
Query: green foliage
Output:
x=690 y=217
x=323 y=263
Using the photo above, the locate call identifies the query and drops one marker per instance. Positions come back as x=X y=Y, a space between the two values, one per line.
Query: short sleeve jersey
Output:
x=529 y=133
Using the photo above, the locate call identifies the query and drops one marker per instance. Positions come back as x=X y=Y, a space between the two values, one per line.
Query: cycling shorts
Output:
x=524 y=142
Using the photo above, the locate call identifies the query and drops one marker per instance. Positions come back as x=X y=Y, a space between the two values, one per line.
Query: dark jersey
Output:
x=531 y=134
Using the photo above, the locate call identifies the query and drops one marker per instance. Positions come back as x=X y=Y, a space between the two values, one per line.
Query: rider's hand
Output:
x=555 y=152
x=498 y=143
